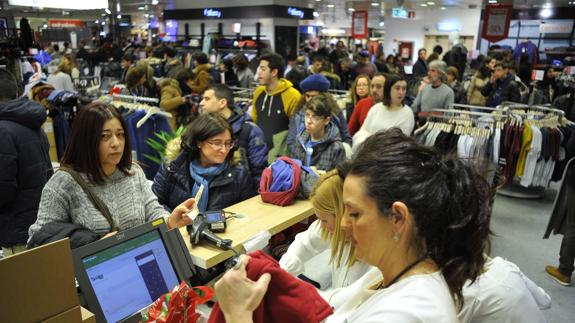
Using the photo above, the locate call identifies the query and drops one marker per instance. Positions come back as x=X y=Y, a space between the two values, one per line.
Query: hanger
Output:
x=151 y=111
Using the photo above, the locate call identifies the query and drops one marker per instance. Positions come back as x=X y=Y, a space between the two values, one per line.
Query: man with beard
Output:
x=436 y=94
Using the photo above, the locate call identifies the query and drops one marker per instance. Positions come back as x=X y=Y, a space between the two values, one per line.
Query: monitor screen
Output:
x=129 y=276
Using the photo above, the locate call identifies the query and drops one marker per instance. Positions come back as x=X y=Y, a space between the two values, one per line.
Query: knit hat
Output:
x=315 y=82
x=438 y=65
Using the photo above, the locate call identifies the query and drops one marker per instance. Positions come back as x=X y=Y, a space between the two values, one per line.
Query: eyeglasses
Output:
x=217 y=145
x=313 y=118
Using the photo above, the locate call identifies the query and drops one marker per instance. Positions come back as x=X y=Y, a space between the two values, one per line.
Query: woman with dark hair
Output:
x=229 y=76
x=421 y=219
x=205 y=159
x=176 y=96
x=392 y=112
x=359 y=90
x=243 y=72
x=99 y=155
x=391 y=63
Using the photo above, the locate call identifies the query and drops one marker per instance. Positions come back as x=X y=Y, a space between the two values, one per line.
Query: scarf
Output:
x=203 y=176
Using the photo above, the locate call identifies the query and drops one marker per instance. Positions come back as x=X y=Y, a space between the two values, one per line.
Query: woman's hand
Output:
x=179 y=217
x=238 y=295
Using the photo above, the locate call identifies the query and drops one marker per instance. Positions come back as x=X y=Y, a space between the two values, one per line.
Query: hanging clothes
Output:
x=529 y=48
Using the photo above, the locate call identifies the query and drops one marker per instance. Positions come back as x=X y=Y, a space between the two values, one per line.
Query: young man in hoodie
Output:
x=501 y=87
x=319 y=143
x=24 y=161
x=252 y=149
x=274 y=101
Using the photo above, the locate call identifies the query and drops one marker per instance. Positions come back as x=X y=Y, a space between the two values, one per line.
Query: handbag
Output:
x=98 y=203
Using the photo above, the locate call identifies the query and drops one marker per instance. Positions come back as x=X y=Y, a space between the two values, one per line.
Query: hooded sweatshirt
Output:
x=25 y=165
x=272 y=111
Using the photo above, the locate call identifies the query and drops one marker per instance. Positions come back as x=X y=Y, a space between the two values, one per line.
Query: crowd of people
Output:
x=408 y=228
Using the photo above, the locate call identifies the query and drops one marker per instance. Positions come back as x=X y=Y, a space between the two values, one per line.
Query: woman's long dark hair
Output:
x=449 y=201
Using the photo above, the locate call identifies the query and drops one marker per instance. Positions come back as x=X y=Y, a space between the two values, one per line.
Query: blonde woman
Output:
x=326 y=233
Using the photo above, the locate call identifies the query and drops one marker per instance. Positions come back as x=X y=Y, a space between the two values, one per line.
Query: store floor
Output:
x=518 y=225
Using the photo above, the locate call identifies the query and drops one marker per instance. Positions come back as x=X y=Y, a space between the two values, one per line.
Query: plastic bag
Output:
x=179 y=305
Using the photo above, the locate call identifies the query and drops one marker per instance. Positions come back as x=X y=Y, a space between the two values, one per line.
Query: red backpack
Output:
x=280 y=181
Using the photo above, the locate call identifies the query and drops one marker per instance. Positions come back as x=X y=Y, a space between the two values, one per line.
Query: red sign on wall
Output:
x=68 y=23
x=359 y=24
x=496 y=22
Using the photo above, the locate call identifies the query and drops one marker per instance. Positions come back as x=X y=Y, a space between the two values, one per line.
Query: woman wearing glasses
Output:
x=319 y=144
x=205 y=159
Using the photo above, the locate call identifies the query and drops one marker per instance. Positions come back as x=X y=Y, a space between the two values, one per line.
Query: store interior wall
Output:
x=425 y=23
x=187 y=4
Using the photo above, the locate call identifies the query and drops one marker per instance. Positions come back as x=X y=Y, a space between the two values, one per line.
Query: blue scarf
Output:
x=203 y=176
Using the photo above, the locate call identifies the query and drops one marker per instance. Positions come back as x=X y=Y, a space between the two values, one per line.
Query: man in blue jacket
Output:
x=252 y=148
x=24 y=163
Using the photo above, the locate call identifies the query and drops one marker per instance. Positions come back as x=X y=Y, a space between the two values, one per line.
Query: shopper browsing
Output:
x=359 y=90
x=98 y=159
x=392 y=112
x=175 y=98
x=364 y=105
x=420 y=67
x=204 y=159
x=501 y=87
x=326 y=233
x=252 y=151
x=274 y=101
x=319 y=143
x=24 y=162
x=436 y=94
x=312 y=86
x=397 y=227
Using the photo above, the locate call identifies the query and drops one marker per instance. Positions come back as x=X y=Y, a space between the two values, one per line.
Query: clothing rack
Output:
x=477 y=107
x=134 y=99
x=462 y=112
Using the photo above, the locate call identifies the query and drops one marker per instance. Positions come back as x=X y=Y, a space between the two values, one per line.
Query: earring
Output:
x=396 y=237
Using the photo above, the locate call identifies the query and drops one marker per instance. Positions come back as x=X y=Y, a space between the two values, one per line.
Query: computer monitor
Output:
x=123 y=274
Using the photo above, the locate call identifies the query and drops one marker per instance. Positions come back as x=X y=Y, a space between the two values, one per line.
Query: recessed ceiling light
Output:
x=351 y=9
x=381 y=23
x=317 y=0
x=492 y=1
x=141 y=8
x=431 y=3
x=375 y=4
x=443 y=8
x=546 y=13
x=423 y=4
x=315 y=14
x=330 y=5
x=119 y=16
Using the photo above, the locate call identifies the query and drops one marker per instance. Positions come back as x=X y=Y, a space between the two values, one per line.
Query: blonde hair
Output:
x=327 y=196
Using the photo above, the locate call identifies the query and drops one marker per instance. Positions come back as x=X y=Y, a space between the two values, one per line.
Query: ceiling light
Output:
x=119 y=16
x=375 y=4
x=141 y=8
x=351 y=9
x=155 y=2
x=118 y=9
x=330 y=5
x=381 y=24
x=423 y=4
x=546 y=13
x=492 y=1
x=317 y=0
x=103 y=23
x=103 y=15
x=431 y=3
x=108 y=11
x=97 y=21
x=315 y=14
x=443 y=8
x=45 y=26
x=547 y=5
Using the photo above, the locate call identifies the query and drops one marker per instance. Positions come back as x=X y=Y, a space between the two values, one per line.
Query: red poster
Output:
x=359 y=24
x=69 y=23
x=496 y=22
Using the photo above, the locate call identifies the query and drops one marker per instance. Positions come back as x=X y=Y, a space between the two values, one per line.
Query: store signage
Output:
x=447 y=26
x=359 y=25
x=399 y=13
x=68 y=23
x=556 y=28
x=61 y=4
x=295 y=12
x=496 y=22
x=212 y=13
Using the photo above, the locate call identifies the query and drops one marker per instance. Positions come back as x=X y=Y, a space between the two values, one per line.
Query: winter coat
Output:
x=172 y=68
x=420 y=68
x=173 y=185
x=252 y=145
x=171 y=99
x=272 y=111
x=54 y=231
x=457 y=56
x=474 y=96
x=297 y=125
x=326 y=154
x=202 y=78
x=459 y=95
x=25 y=167
x=502 y=90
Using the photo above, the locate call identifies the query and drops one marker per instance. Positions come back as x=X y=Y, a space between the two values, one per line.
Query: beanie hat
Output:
x=438 y=65
x=315 y=82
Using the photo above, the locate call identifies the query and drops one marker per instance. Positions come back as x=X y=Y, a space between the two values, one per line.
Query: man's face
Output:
x=434 y=75
x=125 y=64
x=316 y=66
x=264 y=73
x=422 y=54
x=210 y=103
x=501 y=72
x=377 y=88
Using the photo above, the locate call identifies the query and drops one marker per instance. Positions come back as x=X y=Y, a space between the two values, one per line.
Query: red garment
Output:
x=359 y=114
x=288 y=299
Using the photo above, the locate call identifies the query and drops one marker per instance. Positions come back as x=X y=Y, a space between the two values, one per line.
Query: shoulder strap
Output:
x=98 y=203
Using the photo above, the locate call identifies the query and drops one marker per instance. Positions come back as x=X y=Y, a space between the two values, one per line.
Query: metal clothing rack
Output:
x=135 y=99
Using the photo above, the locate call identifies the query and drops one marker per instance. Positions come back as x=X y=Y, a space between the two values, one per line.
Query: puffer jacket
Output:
x=252 y=148
x=173 y=185
x=501 y=91
x=474 y=96
x=54 y=231
x=202 y=78
x=297 y=125
x=172 y=68
x=326 y=154
x=25 y=167
x=171 y=100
